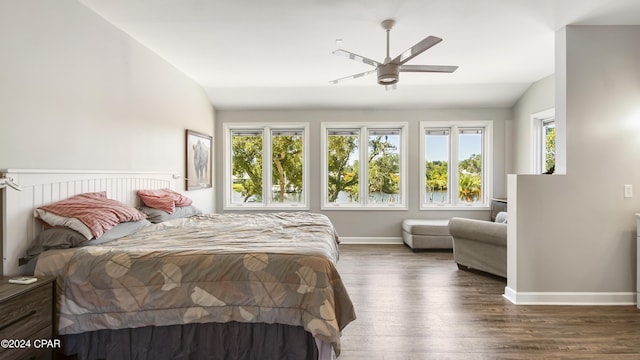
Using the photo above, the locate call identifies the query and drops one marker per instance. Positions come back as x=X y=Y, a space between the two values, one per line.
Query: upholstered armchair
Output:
x=480 y=245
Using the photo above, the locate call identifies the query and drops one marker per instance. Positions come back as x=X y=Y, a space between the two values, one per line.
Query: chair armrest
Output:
x=478 y=230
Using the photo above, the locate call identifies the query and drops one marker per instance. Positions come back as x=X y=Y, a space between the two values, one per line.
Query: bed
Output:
x=211 y=286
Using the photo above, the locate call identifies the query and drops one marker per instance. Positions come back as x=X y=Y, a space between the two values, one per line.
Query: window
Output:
x=544 y=142
x=548 y=145
x=265 y=166
x=455 y=164
x=437 y=166
x=364 y=166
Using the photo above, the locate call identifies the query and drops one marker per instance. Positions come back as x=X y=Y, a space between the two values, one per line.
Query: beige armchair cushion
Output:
x=480 y=245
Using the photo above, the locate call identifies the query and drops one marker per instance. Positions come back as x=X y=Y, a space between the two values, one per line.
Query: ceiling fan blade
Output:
x=428 y=68
x=356 y=57
x=351 y=77
x=416 y=49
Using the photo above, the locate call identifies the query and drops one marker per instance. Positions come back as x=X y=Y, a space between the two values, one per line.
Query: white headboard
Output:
x=41 y=187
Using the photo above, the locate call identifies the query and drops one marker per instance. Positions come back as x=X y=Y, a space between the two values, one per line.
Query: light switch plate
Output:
x=628 y=191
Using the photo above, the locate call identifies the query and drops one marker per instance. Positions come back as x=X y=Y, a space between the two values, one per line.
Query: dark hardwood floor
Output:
x=420 y=306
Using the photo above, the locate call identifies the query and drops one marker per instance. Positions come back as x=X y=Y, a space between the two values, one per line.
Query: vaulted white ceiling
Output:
x=250 y=54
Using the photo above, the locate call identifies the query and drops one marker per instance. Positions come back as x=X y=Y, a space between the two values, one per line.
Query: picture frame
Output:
x=198 y=160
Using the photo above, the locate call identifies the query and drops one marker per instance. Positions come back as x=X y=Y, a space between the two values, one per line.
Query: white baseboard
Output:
x=570 y=298
x=371 y=240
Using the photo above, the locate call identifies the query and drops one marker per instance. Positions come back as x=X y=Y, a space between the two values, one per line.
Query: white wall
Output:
x=77 y=93
x=538 y=97
x=370 y=223
x=573 y=235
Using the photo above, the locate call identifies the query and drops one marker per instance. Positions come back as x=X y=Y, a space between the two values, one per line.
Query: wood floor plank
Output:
x=421 y=306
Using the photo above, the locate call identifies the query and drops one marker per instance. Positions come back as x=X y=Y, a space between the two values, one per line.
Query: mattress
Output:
x=251 y=268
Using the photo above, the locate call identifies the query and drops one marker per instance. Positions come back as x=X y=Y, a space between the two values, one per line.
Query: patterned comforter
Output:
x=269 y=268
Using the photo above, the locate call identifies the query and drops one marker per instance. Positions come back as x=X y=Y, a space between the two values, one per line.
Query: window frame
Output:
x=363 y=151
x=538 y=139
x=487 y=163
x=267 y=166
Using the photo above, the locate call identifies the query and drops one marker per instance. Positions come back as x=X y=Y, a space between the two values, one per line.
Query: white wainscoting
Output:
x=40 y=187
x=570 y=298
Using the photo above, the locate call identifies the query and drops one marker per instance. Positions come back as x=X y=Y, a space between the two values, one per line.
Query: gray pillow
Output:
x=64 y=238
x=501 y=217
x=55 y=238
x=118 y=231
x=158 y=216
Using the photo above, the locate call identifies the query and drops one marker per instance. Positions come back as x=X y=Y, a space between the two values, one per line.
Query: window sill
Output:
x=447 y=207
x=364 y=208
x=238 y=207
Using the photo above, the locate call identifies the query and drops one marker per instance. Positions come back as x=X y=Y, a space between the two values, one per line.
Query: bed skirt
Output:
x=232 y=340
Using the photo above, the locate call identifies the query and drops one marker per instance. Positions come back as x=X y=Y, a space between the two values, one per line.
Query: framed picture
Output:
x=198 y=161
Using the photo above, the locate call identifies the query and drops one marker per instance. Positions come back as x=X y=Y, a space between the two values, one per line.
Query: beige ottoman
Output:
x=427 y=234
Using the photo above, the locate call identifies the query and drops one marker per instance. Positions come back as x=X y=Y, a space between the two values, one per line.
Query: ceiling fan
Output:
x=389 y=70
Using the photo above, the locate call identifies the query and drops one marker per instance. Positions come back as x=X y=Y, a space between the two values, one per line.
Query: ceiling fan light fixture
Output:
x=387 y=79
x=387 y=74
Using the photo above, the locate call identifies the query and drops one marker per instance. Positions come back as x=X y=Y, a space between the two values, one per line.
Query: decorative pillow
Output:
x=94 y=210
x=163 y=199
x=55 y=238
x=118 y=231
x=158 y=216
x=501 y=217
x=64 y=238
x=53 y=221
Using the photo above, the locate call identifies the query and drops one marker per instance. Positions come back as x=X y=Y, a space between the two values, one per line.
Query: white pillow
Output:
x=501 y=217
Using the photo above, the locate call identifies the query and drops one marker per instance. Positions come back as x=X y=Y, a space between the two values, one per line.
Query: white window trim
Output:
x=363 y=149
x=487 y=159
x=267 y=204
x=537 y=138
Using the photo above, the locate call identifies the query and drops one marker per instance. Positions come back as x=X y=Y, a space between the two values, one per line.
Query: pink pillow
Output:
x=94 y=210
x=163 y=199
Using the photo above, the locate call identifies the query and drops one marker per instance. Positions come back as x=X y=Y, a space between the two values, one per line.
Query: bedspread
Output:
x=269 y=268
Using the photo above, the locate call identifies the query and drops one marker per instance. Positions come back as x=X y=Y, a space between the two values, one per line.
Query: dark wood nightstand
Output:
x=26 y=314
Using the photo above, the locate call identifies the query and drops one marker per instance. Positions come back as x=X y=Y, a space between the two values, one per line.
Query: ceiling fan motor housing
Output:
x=387 y=74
